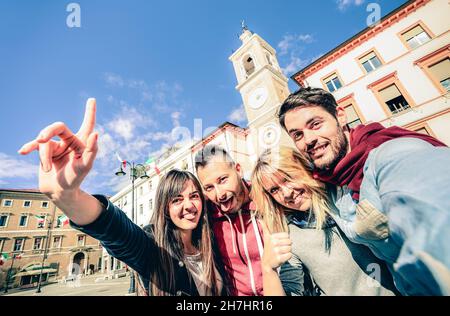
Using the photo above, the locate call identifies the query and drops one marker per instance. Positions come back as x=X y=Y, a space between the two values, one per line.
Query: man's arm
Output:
x=408 y=180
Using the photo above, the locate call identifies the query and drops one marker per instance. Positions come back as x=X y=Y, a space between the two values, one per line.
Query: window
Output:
x=141 y=190
x=37 y=243
x=441 y=72
x=7 y=203
x=3 y=220
x=249 y=65
x=184 y=164
x=436 y=66
x=23 y=220
x=370 y=62
x=40 y=221
x=150 y=185
x=332 y=82
x=26 y=203
x=391 y=94
x=81 y=240
x=141 y=209
x=394 y=99
x=44 y=204
x=353 y=119
x=57 y=242
x=354 y=116
x=18 y=244
x=415 y=36
x=150 y=205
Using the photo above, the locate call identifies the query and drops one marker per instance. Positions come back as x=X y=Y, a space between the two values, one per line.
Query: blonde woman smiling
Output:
x=295 y=210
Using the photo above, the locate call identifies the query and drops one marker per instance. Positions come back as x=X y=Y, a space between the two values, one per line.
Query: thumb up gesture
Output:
x=277 y=248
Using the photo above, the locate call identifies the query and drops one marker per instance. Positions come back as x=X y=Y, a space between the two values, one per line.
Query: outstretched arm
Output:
x=64 y=165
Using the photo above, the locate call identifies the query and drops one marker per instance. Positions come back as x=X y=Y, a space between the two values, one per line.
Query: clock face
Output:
x=269 y=136
x=257 y=98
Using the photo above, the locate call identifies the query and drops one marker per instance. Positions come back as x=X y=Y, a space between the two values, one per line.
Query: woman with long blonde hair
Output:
x=299 y=229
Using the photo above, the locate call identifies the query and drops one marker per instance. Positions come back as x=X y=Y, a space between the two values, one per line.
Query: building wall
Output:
x=62 y=255
x=397 y=58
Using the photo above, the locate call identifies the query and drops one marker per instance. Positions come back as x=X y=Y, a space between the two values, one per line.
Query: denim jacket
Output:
x=403 y=214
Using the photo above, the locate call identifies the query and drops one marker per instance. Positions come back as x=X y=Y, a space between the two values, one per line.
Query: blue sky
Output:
x=151 y=65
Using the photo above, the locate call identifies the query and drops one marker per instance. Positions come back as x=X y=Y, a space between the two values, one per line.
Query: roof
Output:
x=22 y=190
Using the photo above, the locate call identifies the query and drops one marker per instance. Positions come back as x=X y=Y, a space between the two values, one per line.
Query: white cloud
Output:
x=128 y=120
x=122 y=127
x=114 y=80
x=294 y=65
x=176 y=118
x=238 y=115
x=166 y=136
x=293 y=42
x=133 y=131
x=344 y=4
x=306 y=38
x=285 y=44
x=12 y=167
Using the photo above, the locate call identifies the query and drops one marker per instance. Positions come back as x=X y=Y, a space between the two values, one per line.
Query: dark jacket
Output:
x=130 y=244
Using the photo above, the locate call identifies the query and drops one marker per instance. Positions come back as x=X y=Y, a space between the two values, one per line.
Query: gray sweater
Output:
x=342 y=268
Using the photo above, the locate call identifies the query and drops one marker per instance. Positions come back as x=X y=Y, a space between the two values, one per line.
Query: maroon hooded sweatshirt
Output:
x=240 y=241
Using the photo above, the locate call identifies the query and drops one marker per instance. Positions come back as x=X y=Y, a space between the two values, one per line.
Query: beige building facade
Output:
x=396 y=72
x=25 y=218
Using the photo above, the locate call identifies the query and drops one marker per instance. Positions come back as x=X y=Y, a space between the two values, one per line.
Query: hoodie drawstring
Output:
x=258 y=236
x=232 y=233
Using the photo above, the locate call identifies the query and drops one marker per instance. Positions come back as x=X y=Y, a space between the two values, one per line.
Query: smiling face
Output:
x=186 y=208
x=286 y=192
x=318 y=134
x=222 y=184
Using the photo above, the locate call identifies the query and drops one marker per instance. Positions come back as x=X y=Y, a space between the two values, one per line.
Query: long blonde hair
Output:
x=291 y=165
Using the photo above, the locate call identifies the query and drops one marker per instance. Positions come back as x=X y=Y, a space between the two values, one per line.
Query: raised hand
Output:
x=277 y=248
x=65 y=162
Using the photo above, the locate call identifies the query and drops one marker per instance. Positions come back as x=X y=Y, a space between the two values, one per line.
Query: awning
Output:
x=35 y=272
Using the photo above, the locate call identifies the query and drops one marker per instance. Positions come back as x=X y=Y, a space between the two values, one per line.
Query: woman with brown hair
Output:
x=174 y=254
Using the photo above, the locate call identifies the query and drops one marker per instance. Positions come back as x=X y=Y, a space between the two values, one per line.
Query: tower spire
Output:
x=246 y=33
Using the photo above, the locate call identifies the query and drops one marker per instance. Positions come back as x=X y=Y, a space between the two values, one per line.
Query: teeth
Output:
x=190 y=215
x=315 y=150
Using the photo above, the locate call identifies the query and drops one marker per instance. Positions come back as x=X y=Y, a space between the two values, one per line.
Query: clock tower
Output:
x=263 y=88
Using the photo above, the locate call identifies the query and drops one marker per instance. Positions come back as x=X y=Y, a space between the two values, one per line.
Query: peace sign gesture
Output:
x=65 y=162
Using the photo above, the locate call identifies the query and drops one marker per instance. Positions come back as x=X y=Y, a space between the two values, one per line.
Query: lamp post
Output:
x=47 y=243
x=136 y=171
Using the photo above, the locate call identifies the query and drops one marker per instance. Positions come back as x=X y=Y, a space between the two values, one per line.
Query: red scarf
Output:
x=364 y=138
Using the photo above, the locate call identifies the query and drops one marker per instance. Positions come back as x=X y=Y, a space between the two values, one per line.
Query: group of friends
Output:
x=344 y=211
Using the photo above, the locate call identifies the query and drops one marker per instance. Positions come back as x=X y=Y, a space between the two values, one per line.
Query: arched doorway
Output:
x=78 y=263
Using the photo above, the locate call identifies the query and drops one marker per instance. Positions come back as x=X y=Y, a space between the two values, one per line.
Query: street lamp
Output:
x=47 y=244
x=136 y=171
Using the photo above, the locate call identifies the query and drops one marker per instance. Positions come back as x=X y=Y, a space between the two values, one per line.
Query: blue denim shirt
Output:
x=403 y=214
